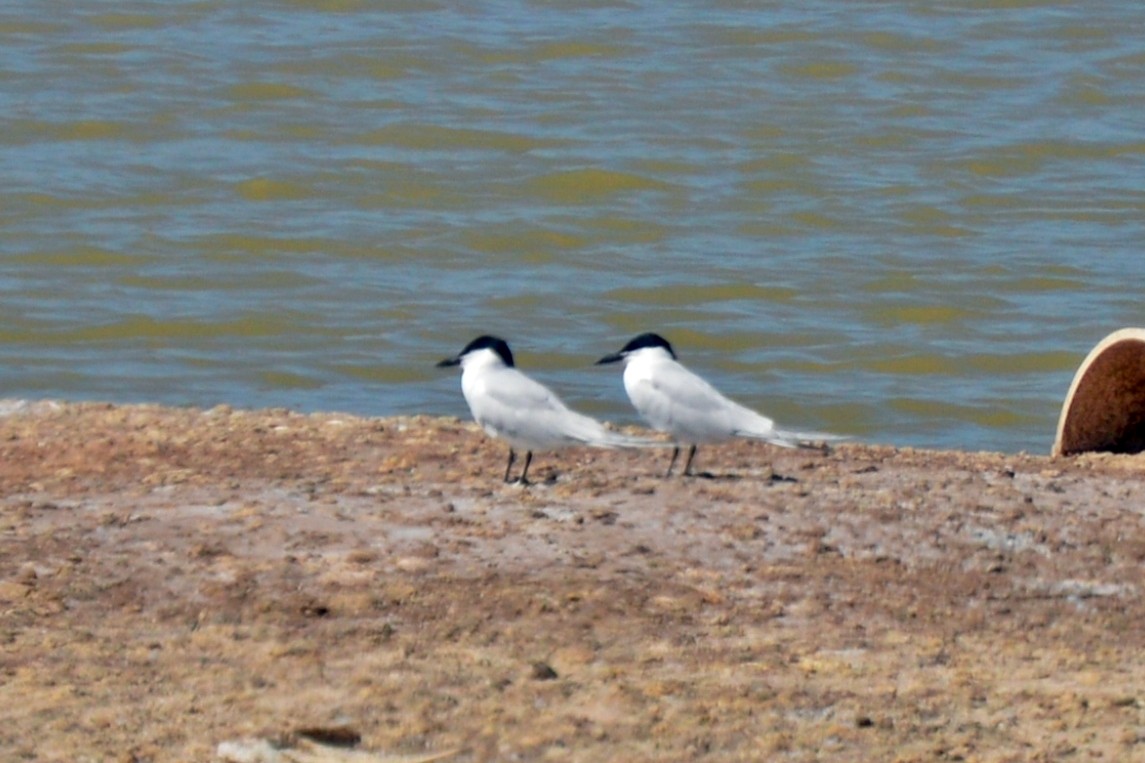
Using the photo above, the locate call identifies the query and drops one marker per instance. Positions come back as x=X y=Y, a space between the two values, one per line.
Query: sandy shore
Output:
x=172 y=579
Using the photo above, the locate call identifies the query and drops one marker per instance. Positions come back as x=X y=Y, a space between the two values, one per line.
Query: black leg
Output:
x=525 y=473
x=688 y=465
x=509 y=466
x=675 y=453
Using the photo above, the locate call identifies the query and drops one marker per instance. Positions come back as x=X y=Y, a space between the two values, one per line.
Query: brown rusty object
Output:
x=1105 y=407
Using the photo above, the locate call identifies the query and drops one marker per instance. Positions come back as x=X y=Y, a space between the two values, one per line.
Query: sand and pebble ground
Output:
x=174 y=580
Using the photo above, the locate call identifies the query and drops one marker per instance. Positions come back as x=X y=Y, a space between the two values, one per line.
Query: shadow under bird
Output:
x=675 y=400
x=528 y=415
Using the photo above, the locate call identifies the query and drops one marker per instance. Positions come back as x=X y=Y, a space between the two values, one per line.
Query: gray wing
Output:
x=676 y=400
x=525 y=412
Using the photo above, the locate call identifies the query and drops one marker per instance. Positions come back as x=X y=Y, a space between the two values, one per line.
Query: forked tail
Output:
x=612 y=439
x=786 y=438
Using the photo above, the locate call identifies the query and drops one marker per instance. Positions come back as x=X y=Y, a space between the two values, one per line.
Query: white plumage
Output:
x=528 y=415
x=675 y=400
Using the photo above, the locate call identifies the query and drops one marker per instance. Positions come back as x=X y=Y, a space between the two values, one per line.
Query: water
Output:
x=904 y=221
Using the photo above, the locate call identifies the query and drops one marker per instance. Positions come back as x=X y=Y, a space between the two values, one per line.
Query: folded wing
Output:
x=527 y=413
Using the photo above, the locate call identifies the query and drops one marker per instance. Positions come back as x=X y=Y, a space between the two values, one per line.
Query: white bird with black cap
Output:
x=528 y=415
x=675 y=400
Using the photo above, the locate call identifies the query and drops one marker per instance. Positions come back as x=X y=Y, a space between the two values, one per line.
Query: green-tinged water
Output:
x=902 y=221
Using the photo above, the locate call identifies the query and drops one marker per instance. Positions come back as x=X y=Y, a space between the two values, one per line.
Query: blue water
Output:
x=900 y=221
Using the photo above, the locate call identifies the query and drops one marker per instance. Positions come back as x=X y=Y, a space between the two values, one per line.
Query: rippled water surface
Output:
x=904 y=221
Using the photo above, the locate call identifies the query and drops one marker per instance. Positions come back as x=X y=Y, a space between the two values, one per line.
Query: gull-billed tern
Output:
x=675 y=400
x=523 y=412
